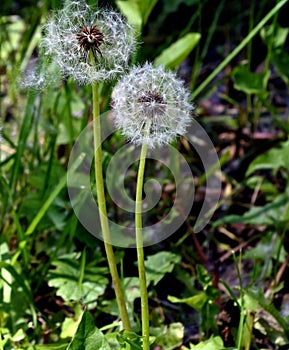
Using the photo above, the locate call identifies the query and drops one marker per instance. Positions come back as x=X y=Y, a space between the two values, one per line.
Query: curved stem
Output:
x=139 y=246
x=102 y=209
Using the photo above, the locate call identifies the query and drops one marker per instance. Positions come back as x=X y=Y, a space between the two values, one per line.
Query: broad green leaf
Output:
x=66 y=278
x=277 y=34
x=267 y=249
x=131 y=286
x=214 y=343
x=249 y=82
x=267 y=305
x=136 y=11
x=68 y=327
x=280 y=60
x=147 y=7
x=250 y=303
x=18 y=336
x=132 y=12
x=176 y=53
x=196 y=301
x=159 y=264
x=274 y=212
x=129 y=340
x=125 y=340
x=70 y=324
x=170 y=337
x=267 y=187
x=87 y=336
x=274 y=159
x=111 y=338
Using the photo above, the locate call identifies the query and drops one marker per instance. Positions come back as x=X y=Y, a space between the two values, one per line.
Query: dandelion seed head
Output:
x=70 y=33
x=155 y=96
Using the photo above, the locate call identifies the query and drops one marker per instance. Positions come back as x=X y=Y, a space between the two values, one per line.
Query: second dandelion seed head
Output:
x=151 y=96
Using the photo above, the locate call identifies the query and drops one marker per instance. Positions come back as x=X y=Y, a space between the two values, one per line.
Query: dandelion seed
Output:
x=155 y=96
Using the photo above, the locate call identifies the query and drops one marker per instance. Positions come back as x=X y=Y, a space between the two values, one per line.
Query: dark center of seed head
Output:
x=90 y=38
x=152 y=102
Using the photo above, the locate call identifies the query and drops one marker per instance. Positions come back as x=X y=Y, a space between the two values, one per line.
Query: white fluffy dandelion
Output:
x=78 y=29
x=151 y=98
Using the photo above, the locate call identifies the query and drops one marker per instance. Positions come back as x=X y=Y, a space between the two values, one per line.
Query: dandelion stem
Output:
x=139 y=246
x=102 y=208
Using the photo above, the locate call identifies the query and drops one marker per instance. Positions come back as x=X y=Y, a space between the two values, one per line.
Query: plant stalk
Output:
x=103 y=212
x=139 y=247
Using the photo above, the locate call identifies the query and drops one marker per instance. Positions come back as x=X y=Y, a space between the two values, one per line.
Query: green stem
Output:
x=103 y=213
x=139 y=247
x=82 y=267
x=240 y=47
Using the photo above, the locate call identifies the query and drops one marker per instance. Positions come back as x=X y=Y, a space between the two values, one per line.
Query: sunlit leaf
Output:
x=196 y=301
x=131 y=285
x=170 y=337
x=147 y=7
x=250 y=304
x=267 y=249
x=274 y=35
x=70 y=324
x=267 y=305
x=129 y=340
x=159 y=264
x=269 y=214
x=249 y=82
x=280 y=60
x=274 y=159
x=267 y=187
x=136 y=11
x=214 y=343
x=87 y=336
x=176 y=53
x=66 y=278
